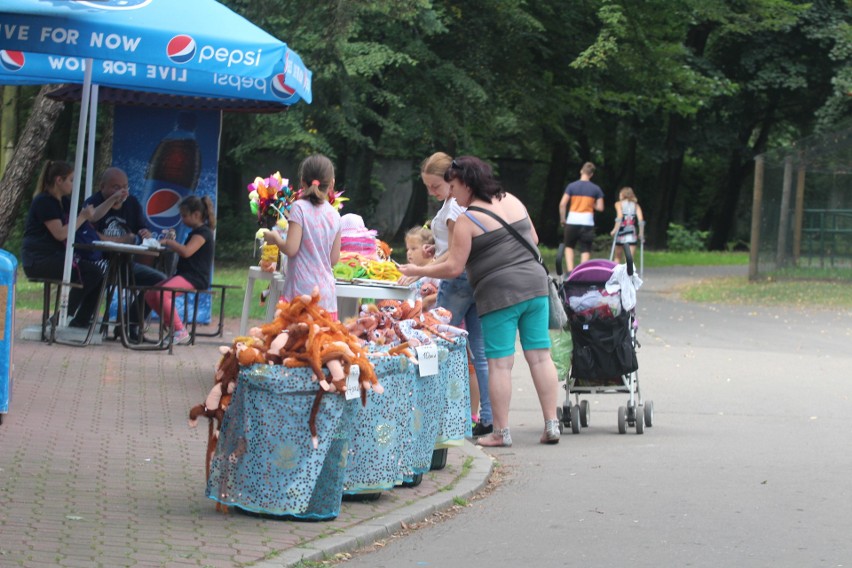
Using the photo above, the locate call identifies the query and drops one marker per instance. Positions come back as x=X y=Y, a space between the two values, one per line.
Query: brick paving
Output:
x=98 y=467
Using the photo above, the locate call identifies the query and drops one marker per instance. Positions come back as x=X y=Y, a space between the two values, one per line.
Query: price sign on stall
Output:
x=427 y=355
x=353 y=385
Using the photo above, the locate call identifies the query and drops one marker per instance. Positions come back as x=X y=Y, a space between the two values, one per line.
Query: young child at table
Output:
x=420 y=250
x=195 y=260
x=313 y=236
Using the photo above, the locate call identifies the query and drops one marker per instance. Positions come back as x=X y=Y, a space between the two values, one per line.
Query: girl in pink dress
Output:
x=313 y=236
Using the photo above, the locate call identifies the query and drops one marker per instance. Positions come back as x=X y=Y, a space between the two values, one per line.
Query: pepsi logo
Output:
x=114 y=4
x=281 y=90
x=181 y=49
x=11 y=60
x=163 y=208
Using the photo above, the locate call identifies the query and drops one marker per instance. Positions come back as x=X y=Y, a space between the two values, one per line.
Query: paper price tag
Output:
x=353 y=384
x=427 y=355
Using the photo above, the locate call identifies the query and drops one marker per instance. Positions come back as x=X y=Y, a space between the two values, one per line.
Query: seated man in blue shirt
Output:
x=124 y=223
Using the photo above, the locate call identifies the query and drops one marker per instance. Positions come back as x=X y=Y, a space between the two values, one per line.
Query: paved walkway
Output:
x=98 y=467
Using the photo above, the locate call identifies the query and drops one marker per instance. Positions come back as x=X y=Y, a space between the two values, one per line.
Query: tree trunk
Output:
x=548 y=228
x=9 y=125
x=740 y=164
x=418 y=205
x=359 y=165
x=725 y=211
x=26 y=158
x=667 y=184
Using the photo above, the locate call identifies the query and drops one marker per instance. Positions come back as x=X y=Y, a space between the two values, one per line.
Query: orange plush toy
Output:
x=304 y=335
x=216 y=404
x=250 y=350
x=322 y=331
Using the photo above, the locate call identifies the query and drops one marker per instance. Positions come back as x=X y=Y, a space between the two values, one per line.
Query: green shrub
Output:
x=681 y=239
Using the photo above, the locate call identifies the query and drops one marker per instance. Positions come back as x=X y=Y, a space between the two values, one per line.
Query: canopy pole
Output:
x=90 y=150
x=75 y=194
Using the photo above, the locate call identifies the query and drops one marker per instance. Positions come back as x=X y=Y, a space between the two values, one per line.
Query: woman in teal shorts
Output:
x=510 y=288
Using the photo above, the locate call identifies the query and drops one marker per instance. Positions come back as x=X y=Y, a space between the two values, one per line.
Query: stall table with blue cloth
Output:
x=264 y=460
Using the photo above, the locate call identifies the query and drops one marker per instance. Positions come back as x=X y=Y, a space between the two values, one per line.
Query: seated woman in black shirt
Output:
x=45 y=232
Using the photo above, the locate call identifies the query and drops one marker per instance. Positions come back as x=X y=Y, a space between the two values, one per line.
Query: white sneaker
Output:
x=181 y=337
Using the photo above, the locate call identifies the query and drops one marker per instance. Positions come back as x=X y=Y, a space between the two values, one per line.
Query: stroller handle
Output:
x=560 y=255
x=628 y=258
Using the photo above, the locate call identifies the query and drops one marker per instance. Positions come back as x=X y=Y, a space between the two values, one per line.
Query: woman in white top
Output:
x=456 y=294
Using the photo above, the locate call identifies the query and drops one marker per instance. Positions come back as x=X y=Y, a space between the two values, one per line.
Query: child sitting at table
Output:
x=195 y=261
x=420 y=250
x=313 y=236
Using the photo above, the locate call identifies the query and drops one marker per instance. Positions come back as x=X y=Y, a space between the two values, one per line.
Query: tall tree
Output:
x=26 y=158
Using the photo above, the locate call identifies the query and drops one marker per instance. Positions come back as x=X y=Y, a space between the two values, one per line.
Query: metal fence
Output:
x=802 y=205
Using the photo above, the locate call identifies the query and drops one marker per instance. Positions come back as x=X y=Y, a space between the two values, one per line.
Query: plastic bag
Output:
x=557 y=318
x=561 y=347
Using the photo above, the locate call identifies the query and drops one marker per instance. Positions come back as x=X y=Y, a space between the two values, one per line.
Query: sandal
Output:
x=497 y=439
x=551 y=432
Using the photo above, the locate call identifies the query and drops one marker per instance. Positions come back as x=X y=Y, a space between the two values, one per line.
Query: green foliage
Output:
x=682 y=239
x=671 y=97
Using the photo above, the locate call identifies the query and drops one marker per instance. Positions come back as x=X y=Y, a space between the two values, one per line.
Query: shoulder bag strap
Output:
x=511 y=230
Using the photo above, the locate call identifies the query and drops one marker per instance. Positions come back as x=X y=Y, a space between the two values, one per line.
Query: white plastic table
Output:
x=277 y=280
x=349 y=294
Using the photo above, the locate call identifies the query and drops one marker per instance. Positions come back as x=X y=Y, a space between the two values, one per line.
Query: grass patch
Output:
x=803 y=287
x=28 y=295
x=771 y=291
x=660 y=259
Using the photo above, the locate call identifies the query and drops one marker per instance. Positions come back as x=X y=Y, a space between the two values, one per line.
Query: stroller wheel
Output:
x=640 y=421
x=414 y=482
x=575 y=419
x=649 y=413
x=622 y=420
x=585 y=413
x=564 y=415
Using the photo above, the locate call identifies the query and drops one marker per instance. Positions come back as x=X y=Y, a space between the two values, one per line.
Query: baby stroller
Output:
x=603 y=359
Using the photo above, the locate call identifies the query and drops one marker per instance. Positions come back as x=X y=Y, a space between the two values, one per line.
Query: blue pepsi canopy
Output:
x=187 y=47
x=21 y=68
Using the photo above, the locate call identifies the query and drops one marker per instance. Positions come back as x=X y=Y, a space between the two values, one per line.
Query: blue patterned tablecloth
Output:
x=455 y=413
x=395 y=434
x=265 y=462
x=381 y=430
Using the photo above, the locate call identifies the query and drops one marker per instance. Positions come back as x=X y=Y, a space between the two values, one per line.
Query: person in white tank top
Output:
x=629 y=222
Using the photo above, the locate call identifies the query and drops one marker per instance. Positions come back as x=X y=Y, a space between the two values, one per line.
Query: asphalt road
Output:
x=748 y=462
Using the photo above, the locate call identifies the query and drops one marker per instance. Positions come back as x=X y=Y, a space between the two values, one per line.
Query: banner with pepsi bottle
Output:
x=168 y=154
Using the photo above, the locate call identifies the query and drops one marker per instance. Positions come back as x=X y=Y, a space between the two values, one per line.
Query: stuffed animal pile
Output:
x=401 y=324
x=301 y=335
x=216 y=403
